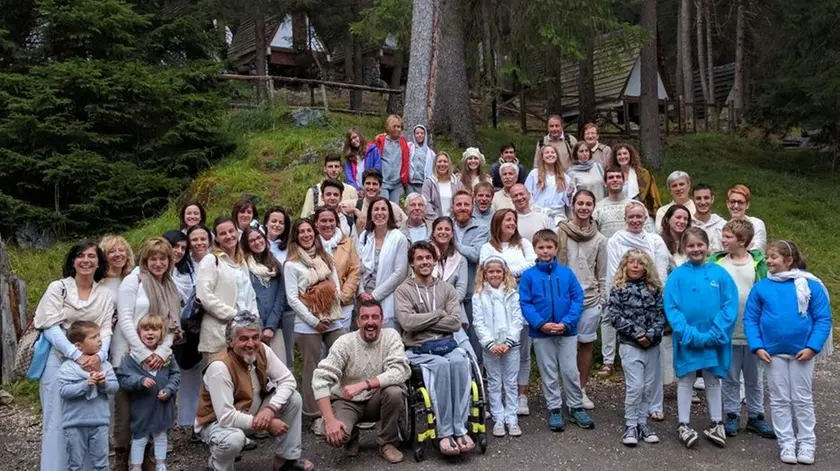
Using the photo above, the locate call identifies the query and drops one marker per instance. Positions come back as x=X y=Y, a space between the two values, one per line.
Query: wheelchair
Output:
x=418 y=427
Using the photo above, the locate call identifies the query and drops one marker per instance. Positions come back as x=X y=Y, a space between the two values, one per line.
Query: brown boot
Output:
x=391 y=454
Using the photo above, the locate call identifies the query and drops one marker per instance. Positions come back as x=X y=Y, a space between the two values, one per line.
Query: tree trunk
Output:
x=687 y=59
x=396 y=81
x=554 y=69
x=701 y=51
x=738 y=85
x=452 y=105
x=260 y=47
x=358 y=73
x=710 y=64
x=422 y=66
x=586 y=88
x=12 y=314
x=649 y=100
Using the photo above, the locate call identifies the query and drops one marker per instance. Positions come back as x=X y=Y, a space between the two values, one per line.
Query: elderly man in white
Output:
x=247 y=388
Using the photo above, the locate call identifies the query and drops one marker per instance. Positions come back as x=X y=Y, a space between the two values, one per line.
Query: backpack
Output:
x=315 y=196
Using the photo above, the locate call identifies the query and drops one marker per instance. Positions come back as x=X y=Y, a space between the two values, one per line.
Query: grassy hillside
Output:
x=794 y=191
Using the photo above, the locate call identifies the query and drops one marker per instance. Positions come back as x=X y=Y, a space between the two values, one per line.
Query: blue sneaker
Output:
x=555 y=420
x=760 y=426
x=733 y=421
x=581 y=418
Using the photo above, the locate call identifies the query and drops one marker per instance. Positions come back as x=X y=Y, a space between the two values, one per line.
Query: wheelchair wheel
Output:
x=478 y=407
x=482 y=443
x=420 y=453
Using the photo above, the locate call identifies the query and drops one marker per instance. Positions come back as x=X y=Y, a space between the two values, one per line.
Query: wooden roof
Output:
x=724 y=80
x=241 y=49
x=613 y=65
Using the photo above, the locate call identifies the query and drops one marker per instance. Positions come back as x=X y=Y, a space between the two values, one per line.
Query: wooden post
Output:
x=626 y=112
x=12 y=314
x=730 y=111
x=680 y=112
x=667 y=127
x=312 y=95
x=717 y=116
x=324 y=97
x=523 y=117
x=694 y=117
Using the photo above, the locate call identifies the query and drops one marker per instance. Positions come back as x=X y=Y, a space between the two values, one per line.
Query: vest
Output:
x=242 y=387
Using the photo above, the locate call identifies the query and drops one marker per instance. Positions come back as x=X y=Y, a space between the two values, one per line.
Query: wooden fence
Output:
x=314 y=93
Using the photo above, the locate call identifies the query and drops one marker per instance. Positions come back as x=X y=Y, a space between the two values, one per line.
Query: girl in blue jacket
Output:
x=787 y=321
x=701 y=304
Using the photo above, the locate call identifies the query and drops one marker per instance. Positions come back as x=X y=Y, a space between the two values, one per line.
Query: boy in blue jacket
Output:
x=552 y=300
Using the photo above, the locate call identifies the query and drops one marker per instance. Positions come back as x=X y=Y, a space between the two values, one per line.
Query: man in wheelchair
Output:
x=428 y=313
x=363 y=379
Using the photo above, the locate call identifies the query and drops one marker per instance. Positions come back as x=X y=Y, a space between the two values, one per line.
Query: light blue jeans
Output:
x=556 y=357
x=743 y=361
x=393 y=194
x=87 y=441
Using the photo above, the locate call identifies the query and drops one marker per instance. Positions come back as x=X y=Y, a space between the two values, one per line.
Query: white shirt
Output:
x=445 y=192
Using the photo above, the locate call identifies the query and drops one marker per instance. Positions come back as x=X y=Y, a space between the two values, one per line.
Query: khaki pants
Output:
x=386 y=406
x=310 y=352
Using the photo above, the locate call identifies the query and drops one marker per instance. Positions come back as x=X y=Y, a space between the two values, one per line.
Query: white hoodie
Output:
x=713 y=229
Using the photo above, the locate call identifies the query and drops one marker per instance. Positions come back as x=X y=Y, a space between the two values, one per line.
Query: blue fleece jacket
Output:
x=372 y=160
x=550 y=292
x=701 y=304
x=82 y=404
x=772 y=320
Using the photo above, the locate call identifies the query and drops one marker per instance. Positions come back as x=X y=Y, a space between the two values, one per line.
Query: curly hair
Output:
x=509 y=283
x=651 y=277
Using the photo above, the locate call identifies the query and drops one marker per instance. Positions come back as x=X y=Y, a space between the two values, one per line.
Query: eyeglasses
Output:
x=737 y=203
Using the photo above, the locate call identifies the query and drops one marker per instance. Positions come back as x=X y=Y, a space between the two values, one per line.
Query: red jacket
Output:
x=380 y=144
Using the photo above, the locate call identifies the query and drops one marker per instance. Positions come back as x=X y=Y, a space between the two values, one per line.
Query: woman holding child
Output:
x=78 y=296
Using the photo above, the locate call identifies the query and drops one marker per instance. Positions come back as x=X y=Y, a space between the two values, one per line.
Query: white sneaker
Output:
x=499 y=429
x=318 y=427
x=700 y=384
x=788 y=455
x=522 y=407
x=514 y=431
x=805 y=455
x=587 y=403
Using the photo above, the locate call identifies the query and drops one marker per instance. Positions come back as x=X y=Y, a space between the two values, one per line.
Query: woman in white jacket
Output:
x=505 y=242
x=383 y=250
x=313 y=292
x=497 y=319
x=223 y=285
x=148 y=288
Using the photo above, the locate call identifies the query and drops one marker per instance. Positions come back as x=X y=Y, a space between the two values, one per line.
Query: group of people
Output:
x=198 y=329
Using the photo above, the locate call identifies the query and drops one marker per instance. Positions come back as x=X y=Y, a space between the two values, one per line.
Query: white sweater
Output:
x=132 y=305
x=518 y=258
x=216 y=288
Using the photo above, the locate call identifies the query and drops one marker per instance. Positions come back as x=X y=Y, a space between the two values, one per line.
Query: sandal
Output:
x=657 y=416
x=606 y=370
x=465 y=443
x=294 y=465
x=449 y=447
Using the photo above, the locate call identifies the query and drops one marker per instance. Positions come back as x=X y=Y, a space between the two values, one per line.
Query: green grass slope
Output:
x=794 y=191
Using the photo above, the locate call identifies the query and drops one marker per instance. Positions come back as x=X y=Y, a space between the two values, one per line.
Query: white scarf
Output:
x=803 y=298
x=636 y=241
x=331 y=243
x=494 y=303
x=260 y=271
x=631 y=186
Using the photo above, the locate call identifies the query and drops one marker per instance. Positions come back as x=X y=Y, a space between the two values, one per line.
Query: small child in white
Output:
x=497 y=319
x=635 y=310
x=85 y=401
x=151 y=394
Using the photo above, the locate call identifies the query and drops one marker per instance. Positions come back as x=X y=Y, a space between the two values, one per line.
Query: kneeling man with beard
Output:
x=362 y=380
x=247 y=388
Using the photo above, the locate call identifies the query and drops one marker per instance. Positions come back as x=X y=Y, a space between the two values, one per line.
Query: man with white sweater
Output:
x=247 y=388
x=529 y=221
x=704 y=218
x=362 y=380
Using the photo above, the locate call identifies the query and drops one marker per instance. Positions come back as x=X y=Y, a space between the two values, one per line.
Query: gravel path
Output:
x=538 y=448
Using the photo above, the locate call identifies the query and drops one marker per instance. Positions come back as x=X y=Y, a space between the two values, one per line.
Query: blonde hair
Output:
x=451 y=165
x=154 y=321
x=393 y=119
x=155 y=246
x=509 y=282
x=112 y=241
x=651 y=277
x=559 y=173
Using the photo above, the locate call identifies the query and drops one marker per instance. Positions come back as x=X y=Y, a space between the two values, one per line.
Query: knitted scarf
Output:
x=582 y=167
x=318 y=268
x=565 y=231
x=803 y=298
x=164 y=299
x=331 y=243
x=263 y=274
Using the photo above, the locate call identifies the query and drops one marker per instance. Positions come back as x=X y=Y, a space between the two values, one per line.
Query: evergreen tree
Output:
x=115 y=110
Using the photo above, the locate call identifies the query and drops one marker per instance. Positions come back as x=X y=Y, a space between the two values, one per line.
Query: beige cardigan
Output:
x=215 y=286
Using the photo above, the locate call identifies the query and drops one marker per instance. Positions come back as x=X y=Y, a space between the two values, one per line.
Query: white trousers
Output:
x=502 y=385
x=791 y=397
x=713 y=396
